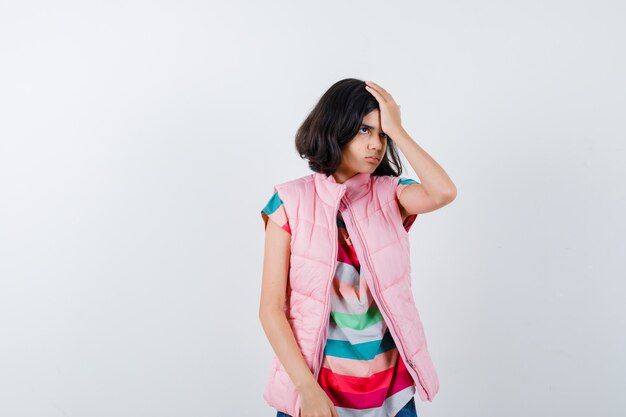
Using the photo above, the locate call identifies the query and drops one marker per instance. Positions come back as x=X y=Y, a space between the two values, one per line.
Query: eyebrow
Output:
x=368 y=126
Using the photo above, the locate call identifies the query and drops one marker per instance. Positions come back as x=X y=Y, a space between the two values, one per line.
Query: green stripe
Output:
x=357 y=321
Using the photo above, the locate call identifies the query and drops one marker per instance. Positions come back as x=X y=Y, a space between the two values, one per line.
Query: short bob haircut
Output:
x=333 y=122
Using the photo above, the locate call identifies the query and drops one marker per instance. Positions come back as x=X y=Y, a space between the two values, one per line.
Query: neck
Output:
x=341 y=177
x=355 y=186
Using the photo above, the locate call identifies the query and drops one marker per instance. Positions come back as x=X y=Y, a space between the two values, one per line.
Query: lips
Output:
x=373 y=157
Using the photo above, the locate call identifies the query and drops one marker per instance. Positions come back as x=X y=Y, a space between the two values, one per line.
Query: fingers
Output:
x=378 y=96
x=381 y=91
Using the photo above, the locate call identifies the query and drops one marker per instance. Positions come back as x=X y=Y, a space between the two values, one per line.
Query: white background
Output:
x=139 y=141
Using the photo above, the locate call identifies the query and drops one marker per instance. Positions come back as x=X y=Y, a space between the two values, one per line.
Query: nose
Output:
x=375 y=142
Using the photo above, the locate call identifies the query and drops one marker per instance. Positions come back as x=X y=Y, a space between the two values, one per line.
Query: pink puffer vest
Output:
x=373 y=220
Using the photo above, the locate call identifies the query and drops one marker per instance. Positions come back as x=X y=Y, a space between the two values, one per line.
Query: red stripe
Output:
x=346 y=254
x=360 y=393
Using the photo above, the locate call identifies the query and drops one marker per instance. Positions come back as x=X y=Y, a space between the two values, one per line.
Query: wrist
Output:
x=306 y=384
x=397 y=134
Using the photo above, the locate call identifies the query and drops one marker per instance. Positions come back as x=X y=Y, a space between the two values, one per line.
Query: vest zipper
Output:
x=381 y=303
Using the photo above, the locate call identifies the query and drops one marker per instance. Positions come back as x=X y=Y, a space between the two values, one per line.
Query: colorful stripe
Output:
x=275 y=210
x=402 y=184
x=404 y=181
x=362 y=372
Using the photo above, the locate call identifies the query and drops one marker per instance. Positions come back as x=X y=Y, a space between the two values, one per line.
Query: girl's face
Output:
x=369 y=142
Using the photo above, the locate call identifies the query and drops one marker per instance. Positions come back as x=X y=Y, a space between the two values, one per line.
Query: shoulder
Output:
x=384 y=179
x=294 y=188
x=393 y=180
x=275 y=210
x=381 y=182
x=286 y=191
x=296 y=181
x=394 y=183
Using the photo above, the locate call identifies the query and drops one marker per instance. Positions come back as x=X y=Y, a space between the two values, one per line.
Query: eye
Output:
x=363 y=127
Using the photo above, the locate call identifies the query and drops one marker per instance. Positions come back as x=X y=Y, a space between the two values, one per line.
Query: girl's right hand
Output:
x=315 y=403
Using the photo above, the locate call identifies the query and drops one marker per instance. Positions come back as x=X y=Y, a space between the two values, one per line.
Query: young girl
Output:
x=336 y=301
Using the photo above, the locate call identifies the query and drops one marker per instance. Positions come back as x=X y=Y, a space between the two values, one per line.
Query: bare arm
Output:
x=314 y=401
x=271 y=313
x=436 y=188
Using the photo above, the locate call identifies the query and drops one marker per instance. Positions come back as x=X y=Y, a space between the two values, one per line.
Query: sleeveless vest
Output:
x=373 y=220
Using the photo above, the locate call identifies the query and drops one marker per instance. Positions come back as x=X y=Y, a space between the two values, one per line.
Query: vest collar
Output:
x=354 y=187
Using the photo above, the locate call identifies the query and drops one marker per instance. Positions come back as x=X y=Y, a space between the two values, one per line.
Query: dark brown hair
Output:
x=333 y=122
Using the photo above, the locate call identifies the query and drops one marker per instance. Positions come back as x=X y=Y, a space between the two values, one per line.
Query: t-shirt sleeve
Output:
x=275 y=210
x=402 y=184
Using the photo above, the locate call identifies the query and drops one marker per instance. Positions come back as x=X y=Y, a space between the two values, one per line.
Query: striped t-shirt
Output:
x=362 y=372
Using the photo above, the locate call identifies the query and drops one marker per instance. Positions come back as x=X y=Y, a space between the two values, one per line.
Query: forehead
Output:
x=372 y=118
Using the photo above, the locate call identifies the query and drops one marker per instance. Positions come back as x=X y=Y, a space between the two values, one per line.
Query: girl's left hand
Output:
x=390 y=119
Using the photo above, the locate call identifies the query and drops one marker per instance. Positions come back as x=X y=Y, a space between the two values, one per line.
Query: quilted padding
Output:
x=372 y=216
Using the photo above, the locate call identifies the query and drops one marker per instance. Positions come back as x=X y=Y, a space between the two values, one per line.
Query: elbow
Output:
x=449 y=195
x=262 y=314
x=262 y=317
x=445 y=198
x=268 y=313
